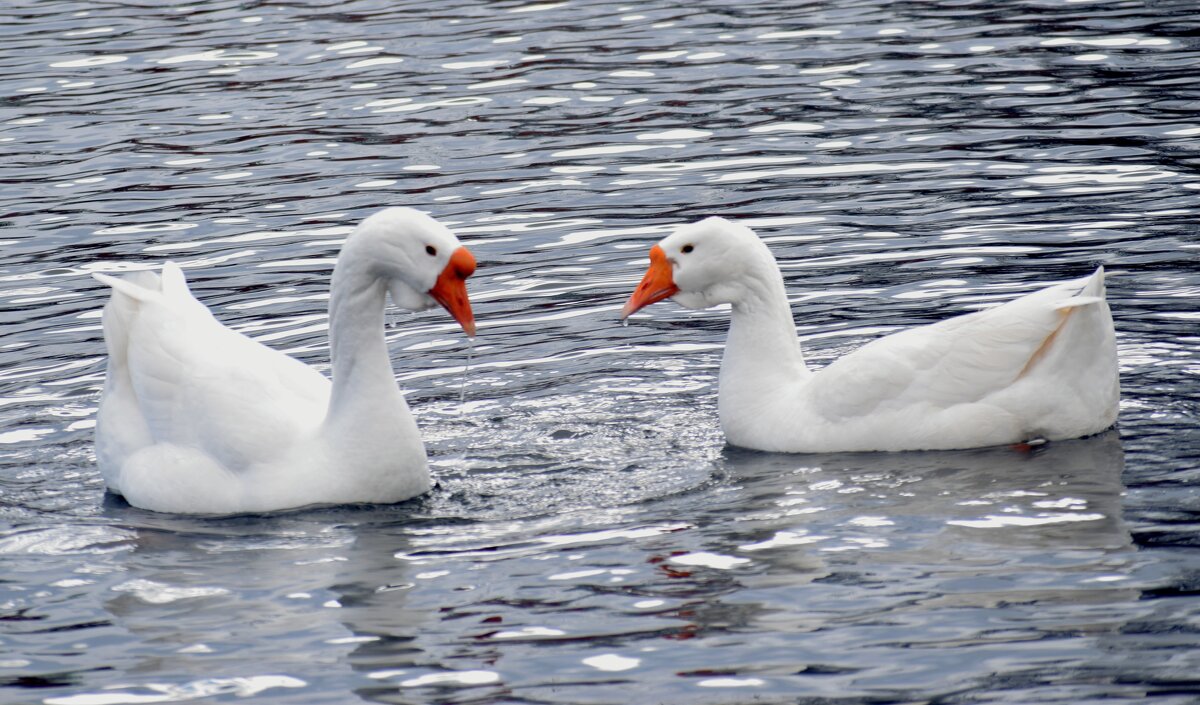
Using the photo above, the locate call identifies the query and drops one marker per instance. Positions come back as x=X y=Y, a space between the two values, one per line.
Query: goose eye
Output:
x=431 y=250
x=687 y=248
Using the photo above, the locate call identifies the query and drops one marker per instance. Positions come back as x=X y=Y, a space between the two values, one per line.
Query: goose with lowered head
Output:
x=1043 y=365
x=198 y=418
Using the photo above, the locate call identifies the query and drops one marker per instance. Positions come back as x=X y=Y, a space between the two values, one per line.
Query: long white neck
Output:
x=362 y=368
x=762 y=355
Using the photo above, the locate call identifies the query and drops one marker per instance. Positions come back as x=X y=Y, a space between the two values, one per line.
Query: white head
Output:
x=421 y=261
x=703 y=264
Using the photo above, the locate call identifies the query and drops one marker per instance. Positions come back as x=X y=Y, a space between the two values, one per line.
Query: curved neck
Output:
x=362 y=369
x=762 y=353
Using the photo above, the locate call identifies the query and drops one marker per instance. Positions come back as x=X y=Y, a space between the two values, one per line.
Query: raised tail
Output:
x=1092 y=292
x=129 y=293
x=1080 y=356
x=146 y=285
x=1095 y=284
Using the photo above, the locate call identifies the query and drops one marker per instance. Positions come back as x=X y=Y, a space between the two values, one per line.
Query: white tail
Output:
x=139 y=286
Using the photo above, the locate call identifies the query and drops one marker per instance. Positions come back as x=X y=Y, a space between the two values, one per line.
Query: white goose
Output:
x=1041 y=366
x=198 y=418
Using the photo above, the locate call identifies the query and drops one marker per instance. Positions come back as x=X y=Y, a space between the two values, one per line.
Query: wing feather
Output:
x=956 y=361
x=196 y=383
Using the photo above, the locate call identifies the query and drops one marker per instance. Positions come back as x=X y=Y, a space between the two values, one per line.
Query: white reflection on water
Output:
x=840 y=170
x=67 y=540
x=160 y=594
x=997 y=521
x=788 y=127
x=219 y=55
x=89 y=61
x=245 y=687
x=452 y=678
x=611 y=662
x=708 y=559
x=612 y=149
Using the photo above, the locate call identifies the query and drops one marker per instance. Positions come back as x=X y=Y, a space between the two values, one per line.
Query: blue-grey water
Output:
x=591 y=539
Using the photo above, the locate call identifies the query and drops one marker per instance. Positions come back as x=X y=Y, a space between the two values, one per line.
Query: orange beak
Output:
x=657 y=285
x=451 y=289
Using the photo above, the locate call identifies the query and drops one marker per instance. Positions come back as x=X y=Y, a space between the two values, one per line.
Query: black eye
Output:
x=687 y=248
x=431 y=250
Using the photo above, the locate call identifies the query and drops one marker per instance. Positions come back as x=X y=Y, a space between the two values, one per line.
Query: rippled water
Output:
x=591 y=539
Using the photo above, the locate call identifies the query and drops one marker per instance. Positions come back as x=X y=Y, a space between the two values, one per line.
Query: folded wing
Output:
x=1061 y=331
x=177 y=376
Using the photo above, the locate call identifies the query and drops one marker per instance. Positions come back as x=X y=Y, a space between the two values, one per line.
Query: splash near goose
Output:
x=197 y=418
x=1043 y=365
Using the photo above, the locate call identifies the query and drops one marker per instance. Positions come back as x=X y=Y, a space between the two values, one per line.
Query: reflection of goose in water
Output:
x=935 y=517
x=862 y=551
x=1066 y=493
x=386 y=616
x=242 y=605
x=936 y=570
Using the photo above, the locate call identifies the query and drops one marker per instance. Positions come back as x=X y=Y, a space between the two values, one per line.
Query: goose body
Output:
x=198 y=418
x=1043 y=365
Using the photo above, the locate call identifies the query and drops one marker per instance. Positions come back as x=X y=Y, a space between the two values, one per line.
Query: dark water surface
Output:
x=591 y=539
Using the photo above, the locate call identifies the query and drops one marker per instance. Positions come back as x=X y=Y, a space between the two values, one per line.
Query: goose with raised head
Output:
x=1043 y=365
x=198 y=418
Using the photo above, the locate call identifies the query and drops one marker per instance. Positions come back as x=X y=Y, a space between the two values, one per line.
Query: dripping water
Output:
x=462 y=388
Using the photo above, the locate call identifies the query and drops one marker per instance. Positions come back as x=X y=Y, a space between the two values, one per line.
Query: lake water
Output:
x=591 y=539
